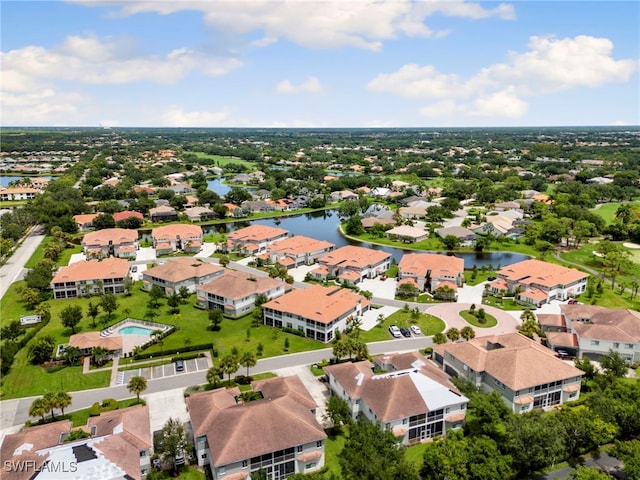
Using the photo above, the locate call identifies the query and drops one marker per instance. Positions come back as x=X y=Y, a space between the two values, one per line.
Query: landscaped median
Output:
x=479 y=318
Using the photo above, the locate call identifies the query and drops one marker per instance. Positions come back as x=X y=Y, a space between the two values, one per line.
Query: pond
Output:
x=217 y=186
x=4 y=180
x=324 y=226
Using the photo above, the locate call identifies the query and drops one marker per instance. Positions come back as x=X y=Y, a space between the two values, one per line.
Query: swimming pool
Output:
x=133 y=330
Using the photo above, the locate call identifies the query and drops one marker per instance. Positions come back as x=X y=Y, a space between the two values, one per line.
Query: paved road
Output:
x=13 y=269
x=16 y=412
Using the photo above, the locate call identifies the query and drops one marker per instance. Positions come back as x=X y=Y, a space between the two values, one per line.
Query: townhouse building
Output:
x=430 y=270
x=538 y=282
x=235 y=292
x=255 y=238
x=412 y=398
x=110 y=242
x=18 y=193
x=317 y=311
x=298 y=250
x=177 y=237
x=277 y=433
x=90 y=277
x=180 y=272
x=527 y=375
x=352 y=264
x=119 y=446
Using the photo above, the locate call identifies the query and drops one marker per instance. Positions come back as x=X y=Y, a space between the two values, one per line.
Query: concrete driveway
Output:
x=208 y=249
x=450 y=314
x=380 y=288
x=471 y=294
x=146 y=254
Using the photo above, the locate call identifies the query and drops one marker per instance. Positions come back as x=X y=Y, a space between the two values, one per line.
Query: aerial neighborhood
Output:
x=243 y=305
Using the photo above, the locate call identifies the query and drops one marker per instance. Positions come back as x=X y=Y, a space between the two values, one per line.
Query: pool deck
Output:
x=131 y=341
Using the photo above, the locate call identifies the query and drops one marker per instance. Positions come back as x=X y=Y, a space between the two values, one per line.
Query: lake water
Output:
x=217 y=186
x=324 y=226
x=4 y=181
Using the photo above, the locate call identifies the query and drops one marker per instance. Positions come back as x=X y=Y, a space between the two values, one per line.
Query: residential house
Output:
x=235 y=292
x=380 y=192
x=85 y=342
x=88 y=277
x=430 y=270
x=369 y=222
x=120 y=216
x=298 y=250
x=317 y=311
x=257 y=206
x=412 y=212
x=163 y=213
x=199 y=214
x=527 y=375
x=172 y=238
x=85 y=221
x=277 y=433
x=538 y=282
x=378 y=211
x=117 y=242
x=342 y=195
x=413 y=398
x=504 y=206
x=255 y=238
x=18 y=193
x=466 y=237
x=180 y=272
x=120 y=446
x=593 y=331
x=352 y=264
x=407 y=233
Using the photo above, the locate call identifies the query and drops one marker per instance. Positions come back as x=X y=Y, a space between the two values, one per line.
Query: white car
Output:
x=395 y=331
x=416 y=330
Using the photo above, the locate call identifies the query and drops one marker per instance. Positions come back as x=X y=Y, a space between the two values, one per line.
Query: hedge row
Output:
x=11 y=348
x=174 y=351
x=293 y=331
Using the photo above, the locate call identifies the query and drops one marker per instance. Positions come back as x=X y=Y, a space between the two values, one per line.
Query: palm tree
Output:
x=99 y=355
x=229 y=365
x=467 y=333
x=62 y=400
x=248 y=360
x=137 y=385
x=439 y=338
x=51 y=403
x=39 y=408
x=634 y=289
x=214 y=375
x=453 y=334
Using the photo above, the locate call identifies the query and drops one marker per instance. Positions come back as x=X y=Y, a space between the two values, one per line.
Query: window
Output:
x=616 y=345
x=319 y=443
x=299 y=448
x=204 y=455
x=309 y=465
x=245 y=463
x=629 y=346
x=595 y=342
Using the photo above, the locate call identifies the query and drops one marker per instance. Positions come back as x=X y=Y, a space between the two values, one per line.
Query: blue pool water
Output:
x=135 y=331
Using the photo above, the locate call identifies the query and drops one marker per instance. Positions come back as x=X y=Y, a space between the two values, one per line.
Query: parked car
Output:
x=491 y=279
x=416 y=330
x=405 y=332
x=179 y=365
x=134 y=269
x=395 y=331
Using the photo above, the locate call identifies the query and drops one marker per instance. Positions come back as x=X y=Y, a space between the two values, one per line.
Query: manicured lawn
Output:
x=490 y=320
x=429 y=325
x=221 y=160
x=191 y=324
x=502 y=303
x=415 y=454
x=481 y=276
x=332 y=448
x=191 y=473
x=584 y=256
x=63 y=260
x=608 y=211
x=79 y=418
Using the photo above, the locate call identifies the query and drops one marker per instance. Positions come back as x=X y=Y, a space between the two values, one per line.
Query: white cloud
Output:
x=264 y=41
x=89 y=60
x=310 y=85
x=44 y=107
x=362 y=24
x=176 y=117
x=550 y=65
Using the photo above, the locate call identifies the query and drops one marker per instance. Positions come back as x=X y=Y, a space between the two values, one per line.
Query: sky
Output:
x=318 y=64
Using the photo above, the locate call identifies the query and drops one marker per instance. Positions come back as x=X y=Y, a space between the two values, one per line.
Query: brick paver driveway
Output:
x=449 y=312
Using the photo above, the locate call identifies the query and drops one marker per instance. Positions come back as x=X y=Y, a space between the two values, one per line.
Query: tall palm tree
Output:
x=214 y=375
x=99 y=355
x=137 y=385
x=51 y=403
x=39 y=408
x=229 y=365
x=467 y=333
x=248 y=360
x=62 y=400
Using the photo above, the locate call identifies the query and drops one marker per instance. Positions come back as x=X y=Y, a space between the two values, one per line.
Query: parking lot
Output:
x=166 y=370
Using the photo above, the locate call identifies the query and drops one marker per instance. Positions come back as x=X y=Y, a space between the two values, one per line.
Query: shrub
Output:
x=109 y=404
x=293 y=331
x=94 y=411
x=183 y=349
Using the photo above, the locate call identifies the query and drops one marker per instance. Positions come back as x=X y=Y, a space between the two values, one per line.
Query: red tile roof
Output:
x=92 y=270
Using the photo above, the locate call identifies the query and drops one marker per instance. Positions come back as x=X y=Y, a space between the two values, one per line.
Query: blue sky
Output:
x=303 y=63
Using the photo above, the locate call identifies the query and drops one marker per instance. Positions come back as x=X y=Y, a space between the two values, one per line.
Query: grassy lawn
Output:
x=608 y=210
x=191 y=473
x=584 y=256
x=424 y=298
x=429 y=325
x=502 y=303
x=332 y=448
x=63 y=260
x=221 y=160
x=611 y=299
x=480 y=276
x=490 y=320
x=79 y=418
x=415 y=454
x=191 y=324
